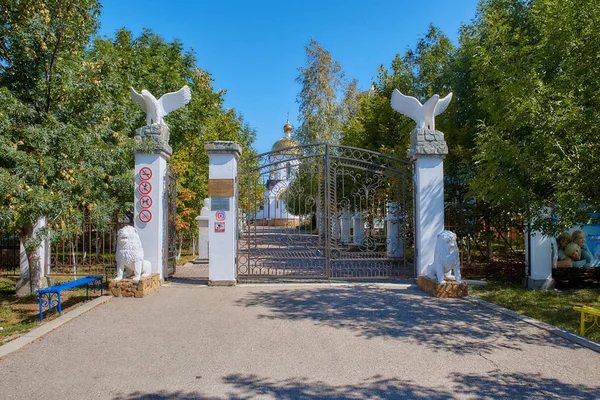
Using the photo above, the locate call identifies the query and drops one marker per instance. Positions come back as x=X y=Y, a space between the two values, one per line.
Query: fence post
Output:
x=538 y=254
x=203 y=231
x=222 y=221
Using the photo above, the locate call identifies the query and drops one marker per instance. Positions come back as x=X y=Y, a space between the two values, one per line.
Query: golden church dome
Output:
x=287 y=141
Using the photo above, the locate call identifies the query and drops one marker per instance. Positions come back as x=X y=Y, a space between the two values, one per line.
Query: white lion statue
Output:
x=130 y=255
x=445 y=259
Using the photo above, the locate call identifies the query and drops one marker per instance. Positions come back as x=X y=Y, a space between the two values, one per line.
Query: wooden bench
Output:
x=46 y=295
x=588 y=314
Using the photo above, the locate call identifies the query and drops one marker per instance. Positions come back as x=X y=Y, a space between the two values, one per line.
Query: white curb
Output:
x=573 y=337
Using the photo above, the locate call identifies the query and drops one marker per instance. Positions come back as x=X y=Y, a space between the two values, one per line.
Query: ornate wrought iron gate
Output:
x=171 y=240
x=325 y=211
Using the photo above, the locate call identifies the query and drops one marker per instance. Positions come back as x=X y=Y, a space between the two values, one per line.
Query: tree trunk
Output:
x=469 y=250
x=180 y=246
x=35 y=273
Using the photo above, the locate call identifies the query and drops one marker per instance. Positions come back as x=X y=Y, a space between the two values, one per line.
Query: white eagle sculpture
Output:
x=423 y=114
x=156 y=110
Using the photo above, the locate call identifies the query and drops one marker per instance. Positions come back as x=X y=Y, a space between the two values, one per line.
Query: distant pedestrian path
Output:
x=190 y=273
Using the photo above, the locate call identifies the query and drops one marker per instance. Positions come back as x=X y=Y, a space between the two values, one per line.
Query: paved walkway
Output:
x=350 y=341
x=191 y=273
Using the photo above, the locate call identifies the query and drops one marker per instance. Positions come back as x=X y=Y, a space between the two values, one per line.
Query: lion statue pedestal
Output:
x=447 y=290
x=442 y=277
x=128 y=287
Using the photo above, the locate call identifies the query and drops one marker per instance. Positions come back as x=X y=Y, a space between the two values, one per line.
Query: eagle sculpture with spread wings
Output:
x=423 y=114
x=156 y=110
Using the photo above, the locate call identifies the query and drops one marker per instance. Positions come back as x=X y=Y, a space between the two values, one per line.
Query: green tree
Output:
x=535 y=85
x=322 y=81
x=50 y=166
x=67 y=122
x=149 y=62
x=421 y=72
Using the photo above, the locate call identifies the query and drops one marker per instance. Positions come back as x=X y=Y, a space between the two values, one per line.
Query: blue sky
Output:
x=253 y=48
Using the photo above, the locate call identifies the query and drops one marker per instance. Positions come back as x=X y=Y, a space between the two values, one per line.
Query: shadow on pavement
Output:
x=188 y=281
x=493 y=386
x=452 y=325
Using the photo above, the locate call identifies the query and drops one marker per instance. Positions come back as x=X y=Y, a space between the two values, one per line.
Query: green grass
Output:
x=553 y=307
x=19 y=315
x=16 y=313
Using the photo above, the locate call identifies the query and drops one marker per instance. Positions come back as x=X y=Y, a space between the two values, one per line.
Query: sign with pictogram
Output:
x=145 y=187
x=145 y=201
x=219 y=227
x=220 y=215
x=145 y=173
x=145 y=216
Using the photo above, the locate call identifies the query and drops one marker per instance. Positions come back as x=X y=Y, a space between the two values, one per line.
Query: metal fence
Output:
x=9 y=255
x=488 y=249
x=92 y=252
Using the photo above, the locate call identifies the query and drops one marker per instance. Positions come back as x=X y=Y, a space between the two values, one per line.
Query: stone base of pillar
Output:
x=222 y=283
x=127 y=288
x=450 y=289
x=23 y=287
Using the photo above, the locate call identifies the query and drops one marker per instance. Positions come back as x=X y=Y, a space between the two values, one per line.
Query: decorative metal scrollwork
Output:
x=325 y=211
x=49 y=300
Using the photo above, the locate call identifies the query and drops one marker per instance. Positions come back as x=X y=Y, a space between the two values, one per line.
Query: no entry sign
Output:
x=145 y=216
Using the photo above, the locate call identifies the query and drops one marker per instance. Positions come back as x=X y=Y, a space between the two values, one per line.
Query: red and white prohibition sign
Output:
x=145 y=201
x=145 y=173
x=145 y=187
x=145 y=216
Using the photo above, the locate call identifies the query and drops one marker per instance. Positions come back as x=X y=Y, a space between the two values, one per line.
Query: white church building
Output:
x=283 y=166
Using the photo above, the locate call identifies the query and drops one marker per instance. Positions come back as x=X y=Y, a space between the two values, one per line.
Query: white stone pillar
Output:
x=538 y=254
x=150 y=199
x=222 y=222
x=395 y=243
x=428 y=149
x=345 y=221
x=203 y=231
x=358 y=222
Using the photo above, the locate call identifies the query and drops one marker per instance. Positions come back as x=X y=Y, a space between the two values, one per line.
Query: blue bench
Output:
x=47 y=295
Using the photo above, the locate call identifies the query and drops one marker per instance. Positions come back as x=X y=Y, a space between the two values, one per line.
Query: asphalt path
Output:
x=349 y=341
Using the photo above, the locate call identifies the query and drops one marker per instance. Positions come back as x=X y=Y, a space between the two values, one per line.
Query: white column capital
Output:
x=427 y=143
x=223 y=147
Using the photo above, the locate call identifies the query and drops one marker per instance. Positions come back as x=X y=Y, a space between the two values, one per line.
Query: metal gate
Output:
x=171 y=240
x=325 y=211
